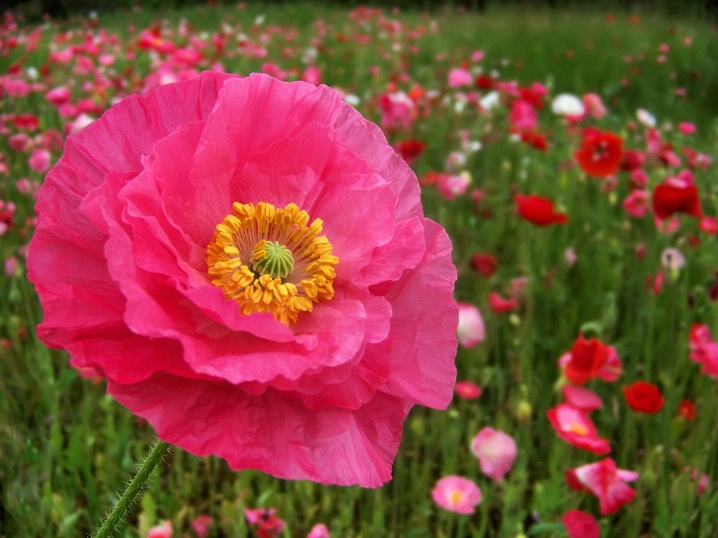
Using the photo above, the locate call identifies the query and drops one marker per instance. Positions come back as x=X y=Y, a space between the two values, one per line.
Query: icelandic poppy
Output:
x=601 y=153
x=538 y=210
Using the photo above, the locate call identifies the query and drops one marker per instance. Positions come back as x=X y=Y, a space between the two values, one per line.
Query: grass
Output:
x=66 y=446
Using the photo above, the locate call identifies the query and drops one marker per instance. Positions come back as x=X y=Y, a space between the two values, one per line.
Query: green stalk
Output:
x=117 y=517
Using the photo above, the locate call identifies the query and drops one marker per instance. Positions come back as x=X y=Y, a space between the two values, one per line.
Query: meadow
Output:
x=570 y=155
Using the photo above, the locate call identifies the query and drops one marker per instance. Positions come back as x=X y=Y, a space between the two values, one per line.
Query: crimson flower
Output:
x=484 y=264
x=589 y=359
x=606 y=482
x=687 y=409
x=643 y=397
x=247 y=263
x=581 y=525
x=538 y=210
x=601 y=153
x=499 y=304
x=410 y=149
x=671 y=197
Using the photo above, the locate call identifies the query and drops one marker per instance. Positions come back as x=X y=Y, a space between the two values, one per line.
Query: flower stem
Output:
x=116 y=518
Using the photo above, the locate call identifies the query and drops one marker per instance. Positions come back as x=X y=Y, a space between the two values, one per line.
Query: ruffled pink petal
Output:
x=422 y=369
x=270 y=433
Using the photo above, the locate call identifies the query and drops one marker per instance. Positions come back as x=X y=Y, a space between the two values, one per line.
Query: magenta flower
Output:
x=575 y=427
x=703 y=349
x=163 y=530
x=200 y=525
x=581 y=525
x=247 y=263
x=496 y=451
x=319 y=530
x=606 y=482
x=457 y=494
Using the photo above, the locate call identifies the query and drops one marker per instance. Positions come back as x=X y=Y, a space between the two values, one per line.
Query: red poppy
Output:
x=587 y=359
x=687 y=409
x=484 y=82
x=410 y=149
x=535 y=140
x=484 y=264
x=498 y=304
x=672 y=197
x=601 y=153
x=633 y=159
x=538 y=210
x=643 y=397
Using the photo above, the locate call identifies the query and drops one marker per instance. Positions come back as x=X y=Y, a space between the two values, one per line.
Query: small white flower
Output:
x=645 y=117
x=566 y=104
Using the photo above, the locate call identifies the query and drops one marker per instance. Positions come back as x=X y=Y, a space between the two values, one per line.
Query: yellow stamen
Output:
x=456 y=497
x=272 y=260
x=578 y=429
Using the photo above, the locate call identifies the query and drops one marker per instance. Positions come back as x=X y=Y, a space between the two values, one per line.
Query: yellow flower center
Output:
x=456 y=497
x=578 y=429
x=272 y=260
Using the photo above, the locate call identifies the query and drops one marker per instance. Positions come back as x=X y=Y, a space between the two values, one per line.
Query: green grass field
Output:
x=66 y=447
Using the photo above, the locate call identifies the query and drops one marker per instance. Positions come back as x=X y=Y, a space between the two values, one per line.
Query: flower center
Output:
x=578 y=429
x=272 y=260
x=456 y=497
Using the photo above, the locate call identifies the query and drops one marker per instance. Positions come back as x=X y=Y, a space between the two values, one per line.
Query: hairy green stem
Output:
x=117 y=517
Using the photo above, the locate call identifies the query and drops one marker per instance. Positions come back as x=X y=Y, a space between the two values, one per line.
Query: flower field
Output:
x=571 y=158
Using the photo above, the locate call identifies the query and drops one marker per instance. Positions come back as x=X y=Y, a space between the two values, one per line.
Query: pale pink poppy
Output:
x=39 y=160
x=496 y=452
x=459 y=77
x=471 y=330
x=451 y=186
x=574 y=427
x=305 y=336
x=581 y=398
x=637 y=203
x=163 y=530
x=606 y=482
x=319 y=530
x=457 y=494
x=594 y=105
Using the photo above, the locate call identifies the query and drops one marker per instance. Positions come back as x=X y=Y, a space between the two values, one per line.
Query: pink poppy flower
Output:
x=164 y=530
x=496 y=451
x=606 y=482
x=265 y=522
x=637 y=203
x=39 y=160
x=200 y=525
x=319 y=531
x=457 y=494
x=581 y=398
x=467 y=390
x=471 y=330
x=581 y=525
x=523 y=115
x=247 y=263
x=500 y=304
x=460 y=77
x=574 y=427
x=704 y=350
